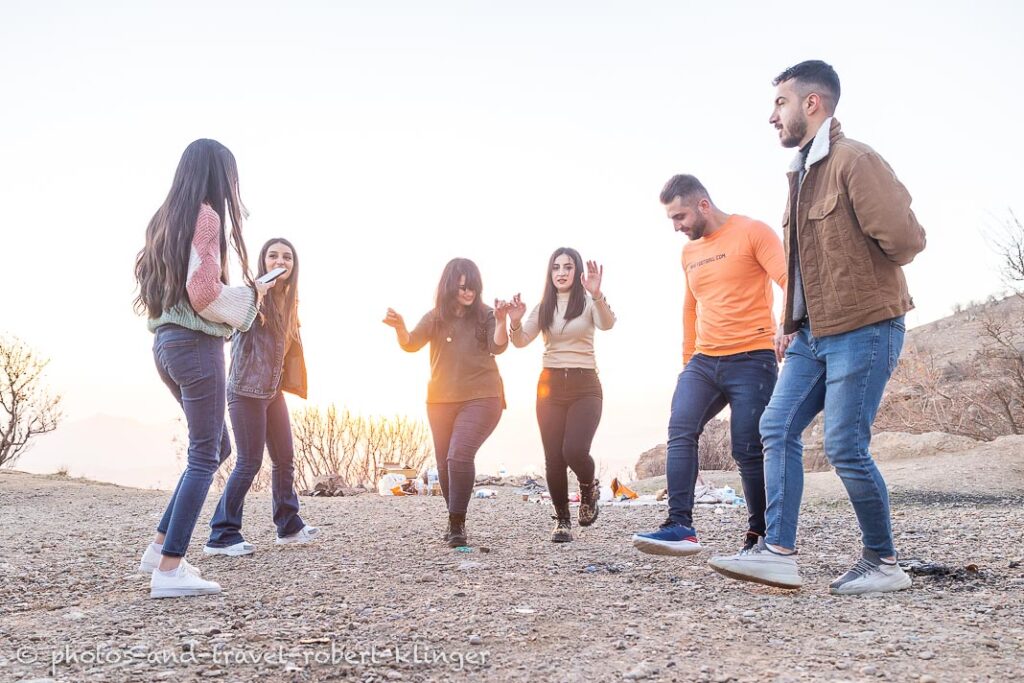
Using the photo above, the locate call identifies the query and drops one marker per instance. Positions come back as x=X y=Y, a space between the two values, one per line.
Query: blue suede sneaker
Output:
x=671 y=538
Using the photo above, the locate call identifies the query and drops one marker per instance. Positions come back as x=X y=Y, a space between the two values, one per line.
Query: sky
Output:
x=384 y=138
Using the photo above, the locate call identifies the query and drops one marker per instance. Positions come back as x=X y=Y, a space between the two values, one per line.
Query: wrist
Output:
x=515 y=327
x=598 y=297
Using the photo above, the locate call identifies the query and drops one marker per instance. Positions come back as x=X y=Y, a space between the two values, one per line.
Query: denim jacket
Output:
x=259 y=367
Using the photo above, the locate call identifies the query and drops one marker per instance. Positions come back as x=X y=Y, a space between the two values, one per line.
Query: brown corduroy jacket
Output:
x=854 y=230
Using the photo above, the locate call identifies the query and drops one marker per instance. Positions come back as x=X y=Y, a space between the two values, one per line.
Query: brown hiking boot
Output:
x=456 y=530
x=589 y=495
x=562 y=533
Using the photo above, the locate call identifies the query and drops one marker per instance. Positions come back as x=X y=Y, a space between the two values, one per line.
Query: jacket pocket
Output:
x=833 y=257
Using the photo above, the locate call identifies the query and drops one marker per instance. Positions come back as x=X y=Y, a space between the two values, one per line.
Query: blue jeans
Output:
x=191 y=364
x=459 y=430
x=844 y=375
x=744 y=382
x=258 y=423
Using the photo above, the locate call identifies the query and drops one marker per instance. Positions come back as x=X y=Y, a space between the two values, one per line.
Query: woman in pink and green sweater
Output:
x=183 y=287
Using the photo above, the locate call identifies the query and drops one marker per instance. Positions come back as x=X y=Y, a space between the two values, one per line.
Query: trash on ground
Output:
x=619 y=490
x=484 y=493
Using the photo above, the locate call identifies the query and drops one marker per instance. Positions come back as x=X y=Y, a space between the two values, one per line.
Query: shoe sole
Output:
x=646 y=545
x=225 y=551
x=182 y=592
x=755 y=579
x=592 y=519
x=902 y=585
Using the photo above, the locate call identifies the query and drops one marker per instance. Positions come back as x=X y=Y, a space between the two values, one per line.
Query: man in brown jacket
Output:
x=848 y=230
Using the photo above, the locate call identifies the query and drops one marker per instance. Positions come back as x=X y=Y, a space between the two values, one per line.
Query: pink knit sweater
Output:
x=211 y=298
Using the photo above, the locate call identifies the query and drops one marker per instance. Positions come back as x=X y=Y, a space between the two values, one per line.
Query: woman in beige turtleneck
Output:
x=569 y=396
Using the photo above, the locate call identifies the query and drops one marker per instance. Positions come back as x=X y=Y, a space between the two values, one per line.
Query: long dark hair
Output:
x=446 y=304
x=283 y=317
x=577 y=295
x=206 y=173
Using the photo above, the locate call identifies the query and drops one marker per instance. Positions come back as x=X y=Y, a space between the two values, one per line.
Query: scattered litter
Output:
x=619 y=490
x=463 y=549
x=524 y=610
x=609 y=567
x=485 y=493
x=919 y=567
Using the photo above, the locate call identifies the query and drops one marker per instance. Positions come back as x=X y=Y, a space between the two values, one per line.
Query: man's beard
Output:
x=796 y=133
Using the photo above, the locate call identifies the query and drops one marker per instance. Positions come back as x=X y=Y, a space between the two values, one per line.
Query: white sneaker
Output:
x=871 y=574
x=151 y=561
x=306 y=534
x=179 y=584
x=760 y=565
x=235 y=550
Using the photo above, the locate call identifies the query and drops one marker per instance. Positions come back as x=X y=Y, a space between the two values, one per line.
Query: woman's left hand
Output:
x=592 y=279
x=500 y=311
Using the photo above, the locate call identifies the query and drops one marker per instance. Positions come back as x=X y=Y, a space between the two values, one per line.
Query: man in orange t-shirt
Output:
x=729 y=355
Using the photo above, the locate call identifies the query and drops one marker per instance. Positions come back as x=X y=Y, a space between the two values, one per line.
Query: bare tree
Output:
x=337 y=443
x=29 y=408
x=1009 y=247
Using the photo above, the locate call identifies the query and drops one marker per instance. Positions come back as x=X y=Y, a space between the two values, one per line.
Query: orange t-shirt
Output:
x=728 y=306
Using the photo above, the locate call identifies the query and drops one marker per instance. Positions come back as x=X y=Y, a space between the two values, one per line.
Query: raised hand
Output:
x=516 y=310
x=591 y=279
x=500 y=311
x=393 y=319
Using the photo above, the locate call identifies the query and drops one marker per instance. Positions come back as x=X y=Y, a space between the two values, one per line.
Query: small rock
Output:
x=927 y=654
x=393 y=675
x=842 y=666
x=620 y=644
x=926 y=678
x=74 y=616
x=869 y=670
x=475 y=640
x=639 y=672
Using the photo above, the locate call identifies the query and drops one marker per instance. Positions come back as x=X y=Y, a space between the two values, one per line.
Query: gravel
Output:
x=381 y=598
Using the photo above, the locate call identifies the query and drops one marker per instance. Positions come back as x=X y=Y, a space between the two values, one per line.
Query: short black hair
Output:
x=686 y=187
x=814 y=76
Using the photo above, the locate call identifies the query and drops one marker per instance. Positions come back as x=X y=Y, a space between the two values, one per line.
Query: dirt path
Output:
x=380 y=584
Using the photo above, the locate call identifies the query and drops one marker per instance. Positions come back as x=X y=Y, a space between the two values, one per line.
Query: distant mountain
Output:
x=115 y=449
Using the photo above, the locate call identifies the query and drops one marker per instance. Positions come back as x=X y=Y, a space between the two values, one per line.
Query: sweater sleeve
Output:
x=209 y=297
x=489 y=324
x=603 y=315
x=421 y=334
x=528 y=330
x=689 y=324
x=767 y=248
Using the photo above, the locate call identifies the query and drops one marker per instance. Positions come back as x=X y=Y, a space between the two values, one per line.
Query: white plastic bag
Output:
x=390 y=481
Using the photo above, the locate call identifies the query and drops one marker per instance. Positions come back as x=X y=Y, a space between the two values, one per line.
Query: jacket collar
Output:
x=819 y=146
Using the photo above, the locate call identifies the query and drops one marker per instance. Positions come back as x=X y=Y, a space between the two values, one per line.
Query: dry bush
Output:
x=714 y=449
x=27 y=408
x=353 y=447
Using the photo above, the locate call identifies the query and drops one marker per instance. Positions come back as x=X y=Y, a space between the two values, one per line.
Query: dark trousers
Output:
x=191 y=364
x=459 y=429
x=744 y=382
x=569 y=402
x=258 y=423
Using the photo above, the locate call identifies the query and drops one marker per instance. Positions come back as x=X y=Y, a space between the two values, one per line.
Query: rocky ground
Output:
x=380 y=598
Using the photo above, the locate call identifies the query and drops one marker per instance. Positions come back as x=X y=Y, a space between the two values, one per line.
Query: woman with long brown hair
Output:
x=266 y=361
x=465 y=395
x=182 y=273
x=569 y=393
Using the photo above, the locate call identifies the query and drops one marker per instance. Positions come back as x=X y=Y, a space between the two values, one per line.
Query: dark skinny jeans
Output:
x=569 y=402
x=459 y=429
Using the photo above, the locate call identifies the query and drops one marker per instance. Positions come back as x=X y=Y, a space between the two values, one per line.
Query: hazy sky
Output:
x=384 y=138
